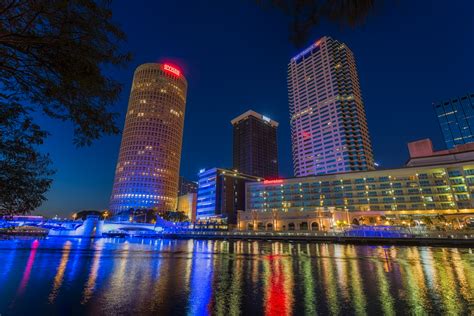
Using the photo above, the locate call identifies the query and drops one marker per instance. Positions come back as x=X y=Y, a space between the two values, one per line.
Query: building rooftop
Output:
x=309 y=49
x=256 y=115
x=229 y=172
x=422 y=154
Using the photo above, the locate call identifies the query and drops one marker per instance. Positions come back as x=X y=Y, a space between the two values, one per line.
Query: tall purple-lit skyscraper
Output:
x=329 y=132
x=147 y=171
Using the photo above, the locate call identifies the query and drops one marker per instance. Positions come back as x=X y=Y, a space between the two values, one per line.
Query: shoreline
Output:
x=454 y=241
x=358 y=240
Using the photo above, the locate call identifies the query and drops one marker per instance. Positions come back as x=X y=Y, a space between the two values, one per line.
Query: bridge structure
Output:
x=91 y=227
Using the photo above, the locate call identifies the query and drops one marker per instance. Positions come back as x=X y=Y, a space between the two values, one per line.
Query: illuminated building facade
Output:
x=187 y=205
x=147 y=171
x=456 y=119
x=255 y=150
x=436 y=183
x=221 y=193
x=329 y=130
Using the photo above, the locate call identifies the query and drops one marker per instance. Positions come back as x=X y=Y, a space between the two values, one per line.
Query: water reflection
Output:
x=278 y=285
x=199 y=277
x=58 y=279
x=29 y=266
x=91 y=280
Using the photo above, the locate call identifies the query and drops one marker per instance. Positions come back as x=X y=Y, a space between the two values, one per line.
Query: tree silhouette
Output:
x=52 y=59
x=53 y=54
x=24 y=172
x=306 y=14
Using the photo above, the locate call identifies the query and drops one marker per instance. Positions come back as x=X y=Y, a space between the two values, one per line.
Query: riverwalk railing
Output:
x=464 y=236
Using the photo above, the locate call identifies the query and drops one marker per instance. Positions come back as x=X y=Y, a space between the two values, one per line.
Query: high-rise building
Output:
x=186 y=186
x=147 y=171
x=221 y=194
x=329 y=130
x=456 y=119
x=255 y=145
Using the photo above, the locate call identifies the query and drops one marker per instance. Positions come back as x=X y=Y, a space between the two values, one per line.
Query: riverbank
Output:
x=361 y=237
x=451 y=239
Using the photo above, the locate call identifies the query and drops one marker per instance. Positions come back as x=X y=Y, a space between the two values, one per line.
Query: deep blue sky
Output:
x=234 y=55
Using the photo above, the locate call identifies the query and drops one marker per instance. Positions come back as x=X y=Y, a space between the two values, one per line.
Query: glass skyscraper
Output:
x=147 y=170
x=329 y=130
x=456 y=119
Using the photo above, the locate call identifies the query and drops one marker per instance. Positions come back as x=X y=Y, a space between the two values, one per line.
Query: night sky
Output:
x=234 y=55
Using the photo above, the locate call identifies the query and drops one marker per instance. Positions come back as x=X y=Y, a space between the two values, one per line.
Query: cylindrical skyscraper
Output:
x=147 y=171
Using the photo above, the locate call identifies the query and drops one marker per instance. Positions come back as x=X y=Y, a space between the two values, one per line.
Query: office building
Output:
x=187 y=205
x=255 y=150
x=147 y=170
x=186 y=186
x=329 y=130
x=432 y=184
x=456 y=119
x=221 y=193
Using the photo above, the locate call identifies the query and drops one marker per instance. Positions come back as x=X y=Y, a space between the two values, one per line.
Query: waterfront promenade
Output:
x=377 y=235
x=384 y=237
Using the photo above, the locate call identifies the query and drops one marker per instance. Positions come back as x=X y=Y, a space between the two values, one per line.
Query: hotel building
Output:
x=432 y=184
x=255 y=150
x=147 y=170
x=329 y=130
x=220 y=194
x=456 y=119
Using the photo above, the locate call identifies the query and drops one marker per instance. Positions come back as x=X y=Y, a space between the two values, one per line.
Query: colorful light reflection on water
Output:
x=195 y=277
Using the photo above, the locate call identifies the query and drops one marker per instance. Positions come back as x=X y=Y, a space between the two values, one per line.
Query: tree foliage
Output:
x=173 y=216
x=306 y=14
x=53 y=57
x=24 y=172
x=53 y=54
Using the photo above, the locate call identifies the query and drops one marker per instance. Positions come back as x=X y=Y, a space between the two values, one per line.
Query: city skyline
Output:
x=236 y=158
x=266 y=93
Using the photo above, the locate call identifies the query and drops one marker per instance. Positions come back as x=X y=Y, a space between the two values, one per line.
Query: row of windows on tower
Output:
x=155 y=75
x=313 y=105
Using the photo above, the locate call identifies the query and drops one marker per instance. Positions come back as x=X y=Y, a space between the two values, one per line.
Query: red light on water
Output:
x=278 y=298
x=171 y=69
x=29 y=266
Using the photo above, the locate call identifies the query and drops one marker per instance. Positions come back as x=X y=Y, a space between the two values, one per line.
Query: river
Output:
x=204 y=277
